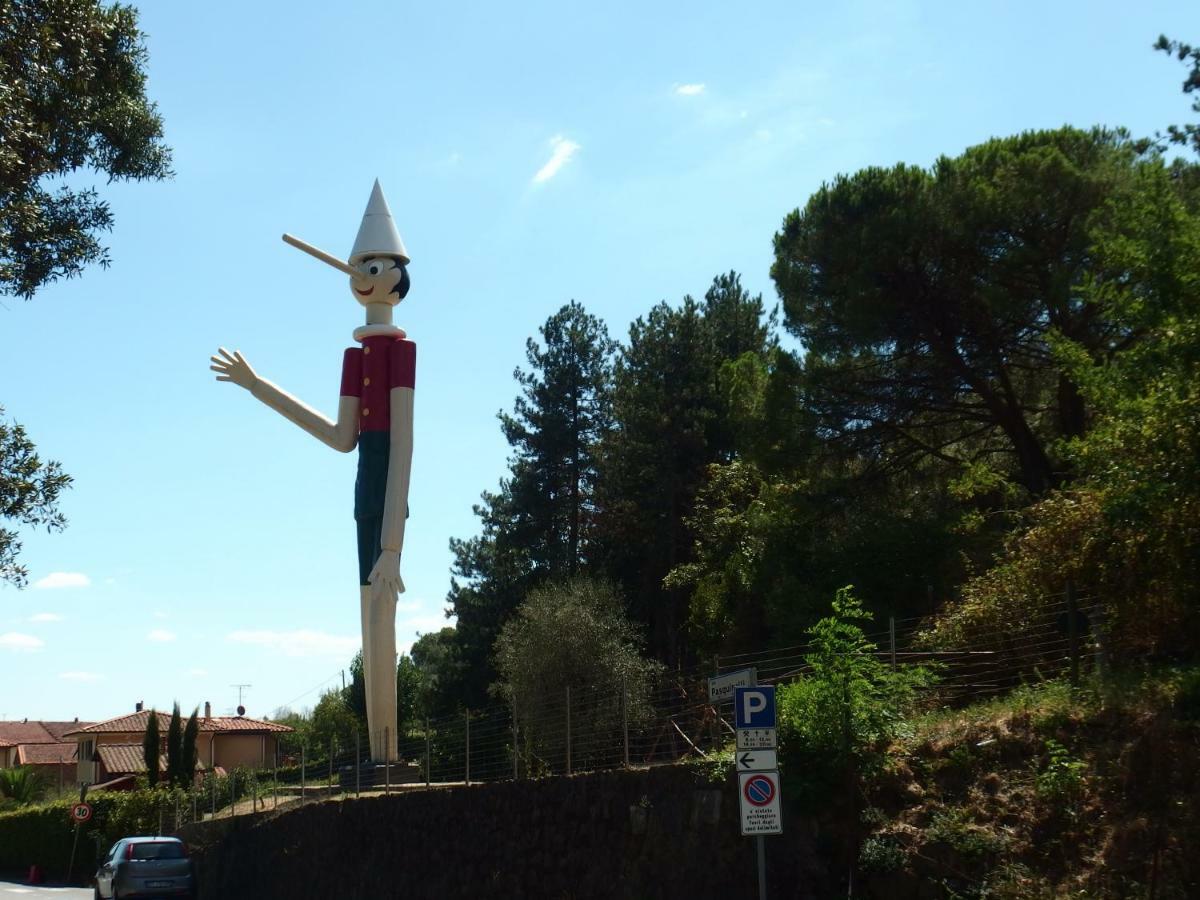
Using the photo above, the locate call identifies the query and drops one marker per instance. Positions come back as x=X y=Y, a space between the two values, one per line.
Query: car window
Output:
x=115 y=851
x=158 y=850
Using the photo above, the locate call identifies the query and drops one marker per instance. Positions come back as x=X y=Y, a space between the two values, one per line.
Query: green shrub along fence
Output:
x=43 y=835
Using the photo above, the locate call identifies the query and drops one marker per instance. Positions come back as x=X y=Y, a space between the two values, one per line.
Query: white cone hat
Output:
x=377 y=235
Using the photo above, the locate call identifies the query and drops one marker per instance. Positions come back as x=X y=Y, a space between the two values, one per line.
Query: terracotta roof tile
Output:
x=45 y=754
x=26 y=733
x=241 y=723
x=123 y=759
x=59 y=729
x=135 y=723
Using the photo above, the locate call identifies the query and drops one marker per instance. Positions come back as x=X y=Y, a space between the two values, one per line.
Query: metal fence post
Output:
x=625 y=717
x=468 y=748
x=387 y=760
x=1073 y=633
x=428 y=758
x=568 y=729
x=357 y=763
x=892 y=638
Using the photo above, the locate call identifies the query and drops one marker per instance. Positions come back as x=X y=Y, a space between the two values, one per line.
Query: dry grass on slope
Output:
x=1046 y=792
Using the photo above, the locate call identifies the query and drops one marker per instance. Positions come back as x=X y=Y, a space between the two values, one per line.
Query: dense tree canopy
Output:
x=995 y=392
x=72 y=97
x=925 y=300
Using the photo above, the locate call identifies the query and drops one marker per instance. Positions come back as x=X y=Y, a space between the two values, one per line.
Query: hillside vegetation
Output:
x=1045 y=793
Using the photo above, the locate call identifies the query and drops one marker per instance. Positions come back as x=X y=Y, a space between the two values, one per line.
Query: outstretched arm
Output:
x=340 y=435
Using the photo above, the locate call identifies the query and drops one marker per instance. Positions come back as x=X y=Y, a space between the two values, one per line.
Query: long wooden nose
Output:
x=327 y=258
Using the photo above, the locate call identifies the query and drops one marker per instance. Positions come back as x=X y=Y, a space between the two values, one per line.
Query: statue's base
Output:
x=376 y=776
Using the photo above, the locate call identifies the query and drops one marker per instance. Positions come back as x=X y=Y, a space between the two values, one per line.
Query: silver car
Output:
x=146 y=867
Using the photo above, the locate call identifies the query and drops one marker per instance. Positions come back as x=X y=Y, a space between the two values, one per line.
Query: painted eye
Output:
x=374 y=268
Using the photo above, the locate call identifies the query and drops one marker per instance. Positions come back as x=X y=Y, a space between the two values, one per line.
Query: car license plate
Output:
x=154 y=884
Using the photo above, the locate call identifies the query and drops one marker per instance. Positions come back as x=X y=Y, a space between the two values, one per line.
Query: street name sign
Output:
x=757 y=761
x=758 y=796
x=720 y=687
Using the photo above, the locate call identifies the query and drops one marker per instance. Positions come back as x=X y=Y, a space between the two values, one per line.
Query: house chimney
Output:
x=207 y=710
x=138 y=706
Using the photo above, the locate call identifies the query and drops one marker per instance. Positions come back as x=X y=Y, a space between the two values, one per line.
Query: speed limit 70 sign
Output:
x=81 y=812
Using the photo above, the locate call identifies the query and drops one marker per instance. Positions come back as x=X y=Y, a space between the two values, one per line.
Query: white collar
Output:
x=362 y=332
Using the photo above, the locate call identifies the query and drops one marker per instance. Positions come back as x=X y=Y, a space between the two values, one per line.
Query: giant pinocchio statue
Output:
x=375 y=412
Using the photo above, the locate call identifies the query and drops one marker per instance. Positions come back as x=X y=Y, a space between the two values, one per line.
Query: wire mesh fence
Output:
x=670 y=717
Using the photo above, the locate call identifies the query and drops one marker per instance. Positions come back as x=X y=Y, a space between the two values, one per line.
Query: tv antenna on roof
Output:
x=240 y=689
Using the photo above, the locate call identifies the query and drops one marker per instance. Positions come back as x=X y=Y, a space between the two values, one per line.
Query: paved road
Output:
x=12 y=890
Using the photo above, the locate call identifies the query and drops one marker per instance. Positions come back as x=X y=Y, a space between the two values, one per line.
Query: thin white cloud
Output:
x=561 y=151
x=45 y=617
x=301 y=642
x=25 y=643
x=80 y=676
x=63 y=580
x=161 y=635
x=197 y=673
x=689 y=90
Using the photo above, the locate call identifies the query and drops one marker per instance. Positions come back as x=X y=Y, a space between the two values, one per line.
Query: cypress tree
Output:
x=174 y=742
x=150 y=748
x=189 y=752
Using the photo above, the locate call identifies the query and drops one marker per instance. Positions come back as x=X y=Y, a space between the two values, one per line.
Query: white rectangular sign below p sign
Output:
x=758 y=794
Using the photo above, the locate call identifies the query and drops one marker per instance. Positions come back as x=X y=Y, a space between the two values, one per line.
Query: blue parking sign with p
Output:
x=754 y=707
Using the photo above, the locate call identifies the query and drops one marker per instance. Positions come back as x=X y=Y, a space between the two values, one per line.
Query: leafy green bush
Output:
x=842 y=713
x=1062 y=778
x=955 y=827
x=880 y=854
x=573 y=634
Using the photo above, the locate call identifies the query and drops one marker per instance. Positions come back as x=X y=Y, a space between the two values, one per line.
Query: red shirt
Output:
x=371 y=371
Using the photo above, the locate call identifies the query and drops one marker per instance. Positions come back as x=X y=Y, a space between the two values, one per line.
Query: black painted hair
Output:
x=403 y=284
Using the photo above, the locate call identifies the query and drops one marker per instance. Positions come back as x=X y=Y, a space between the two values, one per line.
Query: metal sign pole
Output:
x=762 y=869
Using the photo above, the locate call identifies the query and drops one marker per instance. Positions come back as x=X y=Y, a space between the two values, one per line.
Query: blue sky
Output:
x=619 y=154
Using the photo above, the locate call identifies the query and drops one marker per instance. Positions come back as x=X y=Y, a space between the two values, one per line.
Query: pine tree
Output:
x=540 y=524
x=671 y=423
